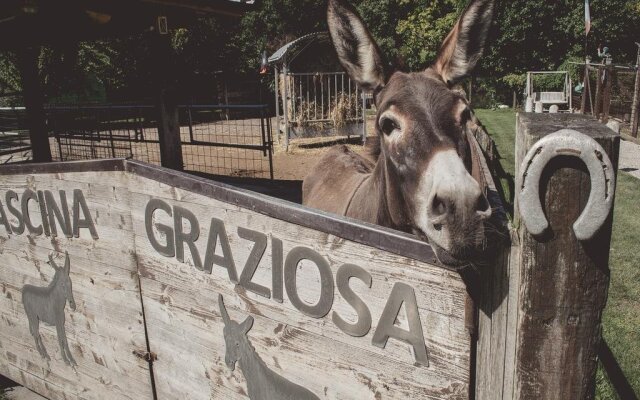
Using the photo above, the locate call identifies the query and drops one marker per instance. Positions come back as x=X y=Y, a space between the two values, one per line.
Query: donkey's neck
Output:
x=378 y=199
x=54 y=281
x=252 y=366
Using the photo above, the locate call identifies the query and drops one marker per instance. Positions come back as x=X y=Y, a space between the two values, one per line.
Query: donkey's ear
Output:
x=464 y=46
x=223 y=310
x=357 y=50
x=52 y=262
x=247 y=324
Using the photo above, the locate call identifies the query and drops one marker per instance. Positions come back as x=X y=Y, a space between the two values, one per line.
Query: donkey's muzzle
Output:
x=443 y=207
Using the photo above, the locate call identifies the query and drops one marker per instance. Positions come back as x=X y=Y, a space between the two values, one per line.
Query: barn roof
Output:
x=28 y=22
x=292 y=49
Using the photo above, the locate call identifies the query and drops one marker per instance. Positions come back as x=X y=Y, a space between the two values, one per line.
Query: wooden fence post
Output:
x=168 y=120
x=169 y=131
x=34 y=103
x=541 y=302
x=563 y=281
x=599 y=89
x=635 y=107
x=606 y=100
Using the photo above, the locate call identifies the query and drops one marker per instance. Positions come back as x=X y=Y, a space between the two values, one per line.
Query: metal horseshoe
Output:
x=567 y=142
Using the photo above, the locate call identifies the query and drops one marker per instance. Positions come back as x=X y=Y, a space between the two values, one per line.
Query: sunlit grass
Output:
x=621 y=319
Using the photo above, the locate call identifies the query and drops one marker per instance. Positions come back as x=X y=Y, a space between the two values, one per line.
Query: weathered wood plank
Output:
x=563 y=282
x=183 y=315
x=493 y=302
x=179 y=295
x=107 y=324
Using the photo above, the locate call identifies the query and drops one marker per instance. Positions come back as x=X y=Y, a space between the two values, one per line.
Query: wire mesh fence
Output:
x=618 y=100
x=227 y=140
x=216 y=140
x=622 y=89
x=96 y=132
x=321 y=104
x=15 y=145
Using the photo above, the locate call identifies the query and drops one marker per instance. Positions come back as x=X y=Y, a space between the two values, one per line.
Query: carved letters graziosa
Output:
x=172 y=239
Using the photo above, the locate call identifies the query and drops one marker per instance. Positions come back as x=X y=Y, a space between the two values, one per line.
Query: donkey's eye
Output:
x=388 y=125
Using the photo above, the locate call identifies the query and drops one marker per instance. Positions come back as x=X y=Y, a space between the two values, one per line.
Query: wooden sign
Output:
x=70 y=304
x=241 y=296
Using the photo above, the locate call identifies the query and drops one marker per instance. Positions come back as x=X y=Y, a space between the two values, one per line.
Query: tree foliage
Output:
x=527 y=35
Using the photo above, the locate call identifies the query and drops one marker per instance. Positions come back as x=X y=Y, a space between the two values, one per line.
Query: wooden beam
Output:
x=635 y=107
x=169 y=131
x=606 y=101
x=562 y=282
x=34 y=103
x=224 y=7
x=585 y=90
x=599 y=92
x=167 y=103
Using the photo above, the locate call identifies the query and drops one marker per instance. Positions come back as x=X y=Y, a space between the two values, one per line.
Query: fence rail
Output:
x=233 y=140
x=319 y=104
x=15 y=145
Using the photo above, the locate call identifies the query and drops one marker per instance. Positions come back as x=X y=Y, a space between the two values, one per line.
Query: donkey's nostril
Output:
x=483 y=208
x=438 y=207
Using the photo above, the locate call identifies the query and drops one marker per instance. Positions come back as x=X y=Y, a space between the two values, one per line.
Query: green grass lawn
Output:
x=621 y=320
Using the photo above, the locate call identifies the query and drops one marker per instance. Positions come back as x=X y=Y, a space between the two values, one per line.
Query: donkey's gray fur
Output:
x=419 y=180
x=262 y=383
x=47 y=304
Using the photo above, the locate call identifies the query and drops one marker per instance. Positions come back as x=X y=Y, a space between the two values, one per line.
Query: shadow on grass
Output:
x=614 y=372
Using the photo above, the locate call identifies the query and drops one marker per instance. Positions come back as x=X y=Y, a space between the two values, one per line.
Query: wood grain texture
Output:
x=181 y=308
x=563 y=283
x=107 y=325
x=493 y=297
x=181 y=302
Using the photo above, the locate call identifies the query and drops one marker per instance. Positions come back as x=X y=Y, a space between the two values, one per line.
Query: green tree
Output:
x=424 y=29
x=272 y=25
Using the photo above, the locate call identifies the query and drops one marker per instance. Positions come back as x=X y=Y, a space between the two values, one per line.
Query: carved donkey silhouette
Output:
x=262 y=383
x=47 y=304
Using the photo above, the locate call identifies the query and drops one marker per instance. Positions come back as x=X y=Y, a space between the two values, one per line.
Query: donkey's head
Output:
x=235 y=335
x=63 y=280
x=421 y=123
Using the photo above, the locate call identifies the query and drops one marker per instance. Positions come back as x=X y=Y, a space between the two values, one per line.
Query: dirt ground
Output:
x=304 y=155
x=202 y=159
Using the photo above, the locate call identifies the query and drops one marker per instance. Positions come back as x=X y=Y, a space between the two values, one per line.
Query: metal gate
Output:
x=320 y=104
x=15 y=145
x=231 y=140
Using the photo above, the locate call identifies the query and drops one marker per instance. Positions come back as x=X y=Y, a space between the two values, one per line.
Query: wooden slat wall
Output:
x=107 y=325
x=541 y=303
x=184 y=325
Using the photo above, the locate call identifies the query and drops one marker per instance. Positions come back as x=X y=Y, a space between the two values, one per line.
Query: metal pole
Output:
x=570 y=94
x=277 y=80
x=585 y=89
x=364 y=118
x=635 y=108
x=285 y=73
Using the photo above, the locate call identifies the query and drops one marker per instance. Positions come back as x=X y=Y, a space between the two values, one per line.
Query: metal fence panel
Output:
x=321 y=104
x=15 y=145
x=216 y=139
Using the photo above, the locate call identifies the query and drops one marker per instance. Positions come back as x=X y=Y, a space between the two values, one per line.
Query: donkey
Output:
x=262 y=383
x=417 y=177
x=47 y=304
